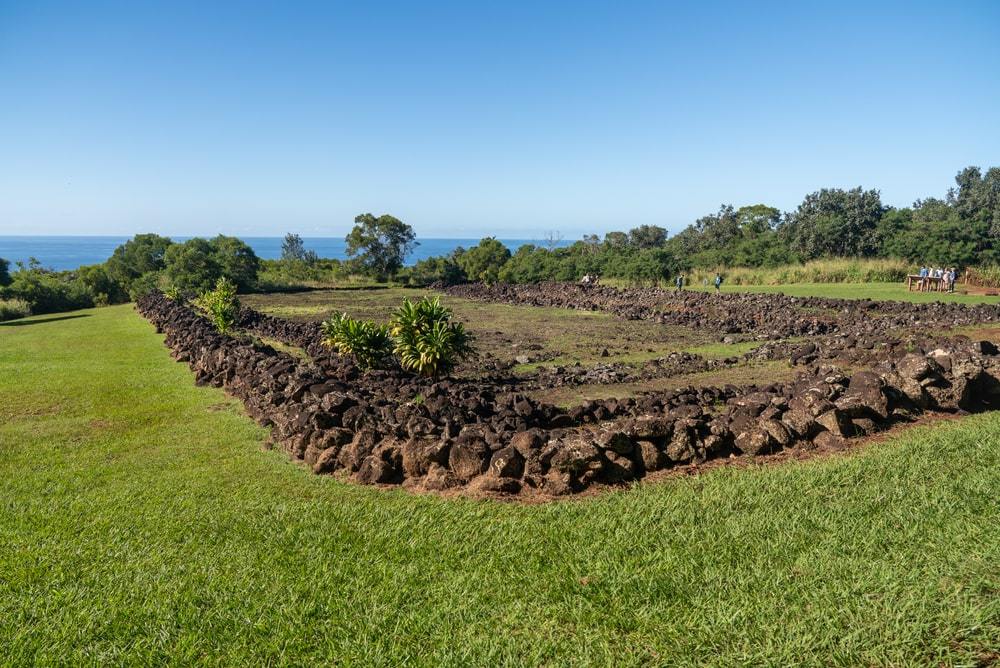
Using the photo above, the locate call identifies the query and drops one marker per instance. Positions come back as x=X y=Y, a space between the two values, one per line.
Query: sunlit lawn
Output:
x=141 y=522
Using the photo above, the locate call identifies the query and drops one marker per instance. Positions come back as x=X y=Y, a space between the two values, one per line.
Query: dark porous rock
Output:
x=577 y=456
x=865 y=426
x=616 y=441
x=778 y=432
x=618 y=468
x=376 y=470
x=507 y=463
x=836 y=422
x=494 y=484
x=652 y=458
x=558 y=483
x=800 y=419
x=528 y=442
x=439 y=478
x=828 y=441
x=468 y=458
x=326 y=461
x=865 y=397
x=681 y=447
x=354 y=453
x=755 y=441
x=420 y=453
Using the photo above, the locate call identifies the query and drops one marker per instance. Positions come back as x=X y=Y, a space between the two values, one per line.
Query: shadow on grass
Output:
x=38 y=321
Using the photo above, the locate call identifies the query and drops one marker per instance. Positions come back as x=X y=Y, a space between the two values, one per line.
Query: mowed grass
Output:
x=876 y=291
x=141 y=523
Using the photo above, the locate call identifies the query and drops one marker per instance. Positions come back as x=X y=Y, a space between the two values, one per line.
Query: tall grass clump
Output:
x=12 y=309
x=835 y=270
x=986 y=276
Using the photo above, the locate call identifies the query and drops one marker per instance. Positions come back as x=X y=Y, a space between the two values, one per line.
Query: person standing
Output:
x=718 y=282
x=679 y=282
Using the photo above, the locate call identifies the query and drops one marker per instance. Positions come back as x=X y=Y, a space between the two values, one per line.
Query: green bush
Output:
x=12 y=309
x=47 y=291
x=426 y=340
x=432 y=270
x=221 y=305
x=369 y=343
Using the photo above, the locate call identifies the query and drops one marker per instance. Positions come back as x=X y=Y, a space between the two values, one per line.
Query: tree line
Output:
x=961 y=229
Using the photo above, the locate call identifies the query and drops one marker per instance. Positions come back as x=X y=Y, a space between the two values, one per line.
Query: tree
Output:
x=380 y=244
x=836 y=222
x=192 y=265
x=484 y=262
x=977 y=196
x=616 y=239
x=142 y=254
x=292 y=248
x=4 y=272
x=647 y=236
x=236 y=260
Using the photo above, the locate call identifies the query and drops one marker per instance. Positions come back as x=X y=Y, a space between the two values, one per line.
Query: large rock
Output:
x=865 y=397
x=507 y=463
x=468 y=458
x=420 y=453
x=652 y=458
x=576 y=456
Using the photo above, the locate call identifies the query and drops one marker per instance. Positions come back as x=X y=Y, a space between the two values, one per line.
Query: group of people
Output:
x=679 y=282
x=945 y=277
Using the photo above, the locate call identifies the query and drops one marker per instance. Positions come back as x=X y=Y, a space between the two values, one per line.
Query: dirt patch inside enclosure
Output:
x=483 y=437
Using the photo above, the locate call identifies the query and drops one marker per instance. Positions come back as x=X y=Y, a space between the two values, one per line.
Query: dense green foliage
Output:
x=220 y=305
x=380 y=245
x=135 y=264
x=426 y=340
x=483 y=262
x=961 y=230
x=4 y=272
x=368 y=342
x=142 y=524
x=197 y=264
x=144 y=263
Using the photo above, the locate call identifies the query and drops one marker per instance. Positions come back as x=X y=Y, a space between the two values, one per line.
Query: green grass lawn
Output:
x=141 y=523
x=878 y=291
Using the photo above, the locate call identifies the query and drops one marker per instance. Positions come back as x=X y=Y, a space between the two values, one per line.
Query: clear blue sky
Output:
x=468 y=118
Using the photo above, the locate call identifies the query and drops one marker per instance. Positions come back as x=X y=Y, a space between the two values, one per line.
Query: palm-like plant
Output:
x=367 y=341
x=427 y=341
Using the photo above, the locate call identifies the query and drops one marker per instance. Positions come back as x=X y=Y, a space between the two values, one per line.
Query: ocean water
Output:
x=64 y=253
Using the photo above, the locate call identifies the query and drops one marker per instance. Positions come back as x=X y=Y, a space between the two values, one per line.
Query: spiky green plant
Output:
x=220 y=305
x=369 y=343
x=427 y=342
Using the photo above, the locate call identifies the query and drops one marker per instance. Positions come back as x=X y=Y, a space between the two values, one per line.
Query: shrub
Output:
x=12 y=309
x=47 y=291
x=221 y=305
x=426 y=340
x=369 y=343
x=173 y=293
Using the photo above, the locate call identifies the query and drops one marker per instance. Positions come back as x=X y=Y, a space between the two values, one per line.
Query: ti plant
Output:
x=367 y=341
x=221 y=305
x=426 y=340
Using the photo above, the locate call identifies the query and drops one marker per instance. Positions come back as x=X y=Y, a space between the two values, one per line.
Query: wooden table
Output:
x=925 y=283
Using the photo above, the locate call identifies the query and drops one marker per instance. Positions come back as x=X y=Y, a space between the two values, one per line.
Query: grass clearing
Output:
x=142 y=524
x=549 y=335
